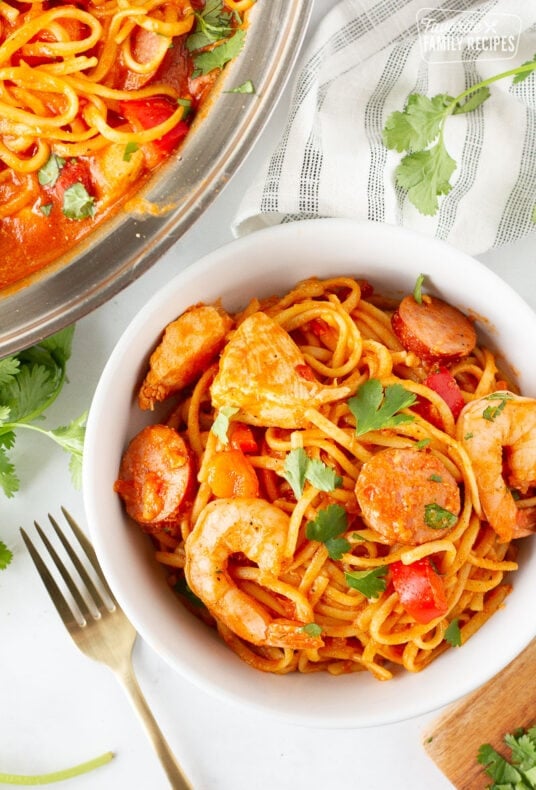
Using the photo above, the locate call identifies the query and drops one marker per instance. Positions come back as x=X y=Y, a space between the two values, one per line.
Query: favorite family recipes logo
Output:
x=450 y=35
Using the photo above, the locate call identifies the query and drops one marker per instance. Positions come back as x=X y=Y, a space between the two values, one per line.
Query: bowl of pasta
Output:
x=308 y=473
x=120 y=124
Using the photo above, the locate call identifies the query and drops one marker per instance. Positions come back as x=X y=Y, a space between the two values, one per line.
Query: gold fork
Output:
x=100 y=628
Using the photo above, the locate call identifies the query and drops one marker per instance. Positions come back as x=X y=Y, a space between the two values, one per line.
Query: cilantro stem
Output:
x=56 y=776
x=531 y=66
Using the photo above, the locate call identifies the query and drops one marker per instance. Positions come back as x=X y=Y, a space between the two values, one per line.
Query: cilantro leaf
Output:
x=437 y=517
x=520 y=772
x=375 y=408
x=50 y=171
x=245 y=87
x=426 y=175
x=522 y=75
x=30 y=381
x=299 y=467
x=220 y=426
x=211 y=24
x=418 y=125
x=371 y=583
x=5 y=556
x=77 y=202
x=311 y=629
x=327 y=527
x=216 y=58
x=417 y=290
x=453 y=634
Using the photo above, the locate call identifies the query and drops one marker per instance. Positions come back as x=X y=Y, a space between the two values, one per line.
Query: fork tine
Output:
x=90 y=552
x=65 y=575
x=52 y=588
x=94 y=593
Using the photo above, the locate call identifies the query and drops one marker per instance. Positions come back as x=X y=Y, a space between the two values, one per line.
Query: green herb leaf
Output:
x=130 y=148
x=492 y=412
x=205 y=62
x=522 y=75
x=312 y=629
x=299 y=467
x=371 y=583
x=453 y=634
x=186 y=105
x=329 y=524
x=417 y=290
x=46 y=209
x=437 y=517
x=473 y=101
x=246 y=87
x=77 y=202
x=49 y=173
x=5 y=556
x=500 y=770
x=30 y=381
x=375 y=408
x=212 y=24
x=220 y=426
x=426 y=175
x=418 y=125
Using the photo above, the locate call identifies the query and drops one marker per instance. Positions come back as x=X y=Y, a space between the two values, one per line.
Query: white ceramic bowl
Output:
x=265 y=262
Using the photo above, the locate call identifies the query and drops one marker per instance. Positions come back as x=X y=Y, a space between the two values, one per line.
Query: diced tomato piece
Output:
x=143 y=114
x=241 y=438
x=305 y=372
x=231 y=474
x=443 y=382
x=420 y=589
x=74 y=171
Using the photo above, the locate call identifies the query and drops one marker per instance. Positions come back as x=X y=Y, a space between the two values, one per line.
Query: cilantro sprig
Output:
x=375 y=407
x=518 y=773
x=371 y=583
x=299 y=467
x=30 y=382
x=215 y=40
x=6 y=555
x=327 y=528
x=418 y=131
x=57 y=776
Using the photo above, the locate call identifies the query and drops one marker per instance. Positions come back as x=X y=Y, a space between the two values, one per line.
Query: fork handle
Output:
x=173 y=771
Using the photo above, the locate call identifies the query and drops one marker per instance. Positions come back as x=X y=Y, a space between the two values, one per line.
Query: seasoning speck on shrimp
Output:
x=257 y=529
x=499 y=432
x=187 y=348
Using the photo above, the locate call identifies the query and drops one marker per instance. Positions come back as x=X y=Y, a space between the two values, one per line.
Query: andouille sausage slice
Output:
x=156 y=478
x=433 y=329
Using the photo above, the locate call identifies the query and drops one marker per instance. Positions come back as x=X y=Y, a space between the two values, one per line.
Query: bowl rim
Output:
x=128 y=243
x=317 y=237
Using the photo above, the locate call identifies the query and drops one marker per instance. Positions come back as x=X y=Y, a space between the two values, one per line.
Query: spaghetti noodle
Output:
x=312 y=487
x=112 y=85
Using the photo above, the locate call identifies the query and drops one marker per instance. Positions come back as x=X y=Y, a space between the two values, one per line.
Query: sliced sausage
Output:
x=156 y=478
x=433 y=329
x=407 y=495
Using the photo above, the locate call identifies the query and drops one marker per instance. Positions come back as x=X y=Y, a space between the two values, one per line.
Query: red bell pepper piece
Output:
x=241 y=438
x=443 y=382
x=420 y=589
x=145 y=113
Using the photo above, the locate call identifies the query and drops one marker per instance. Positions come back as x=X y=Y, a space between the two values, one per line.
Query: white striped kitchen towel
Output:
x=363 y=61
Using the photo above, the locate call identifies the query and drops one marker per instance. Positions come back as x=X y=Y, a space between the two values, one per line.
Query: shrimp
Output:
x=408 y=496
x=263 y=372
x=486 y=427
x=189 y=345
x=258 y=529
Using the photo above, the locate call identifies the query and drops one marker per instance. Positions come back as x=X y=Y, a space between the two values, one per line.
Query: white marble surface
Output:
x=58 y=708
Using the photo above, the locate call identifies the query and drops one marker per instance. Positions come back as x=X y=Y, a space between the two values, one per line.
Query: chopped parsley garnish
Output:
x=299 y=468
x=49 y=173
x=45 y=209
x=311 y=629
x=519 y=773
x=212 y=24
x=437 y=517
x=130 y=148
x=371 y=583
x=435 y=478
x=492 y=412
x=216 y=58
x=245 y=87
x=453 y=635
x=77 y=202
x=186 y=105
x=375 y=408
x=30 y=381
x=220 y=426
x=328 y=526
